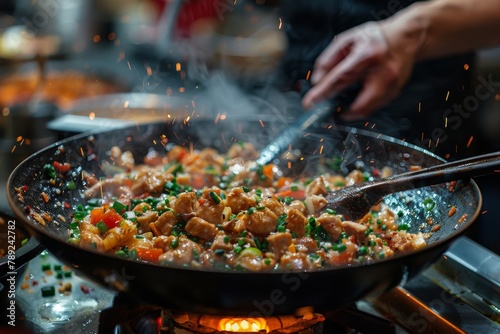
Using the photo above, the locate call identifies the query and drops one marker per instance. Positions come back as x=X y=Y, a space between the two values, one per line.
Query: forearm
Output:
x=441 y=28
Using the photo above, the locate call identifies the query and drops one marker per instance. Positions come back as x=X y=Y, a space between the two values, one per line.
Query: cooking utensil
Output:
x=320 y=113
x=243 y=293
x=356 y=201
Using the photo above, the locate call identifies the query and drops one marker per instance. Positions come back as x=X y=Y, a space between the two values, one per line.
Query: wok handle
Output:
x=452 y=171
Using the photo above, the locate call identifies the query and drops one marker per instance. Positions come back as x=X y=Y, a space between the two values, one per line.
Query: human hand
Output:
x=380 y=56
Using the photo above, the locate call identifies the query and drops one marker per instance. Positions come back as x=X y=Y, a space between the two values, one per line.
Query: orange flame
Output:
x=243 y=325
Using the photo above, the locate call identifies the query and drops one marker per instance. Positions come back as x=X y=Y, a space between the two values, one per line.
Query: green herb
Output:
x=294 y=188
x=288 y=200
x=250 y=210
x=175 y=243
x=226 y=239
x=219 y=252
x=213 y=195
x=403 y=227
x=331 y=212
x=400 y=213
x=48 y=291
x=245 y=189
x=50 y=171
x=429 y=204
x=103 y=228
x=46 y=266
x=71 y=185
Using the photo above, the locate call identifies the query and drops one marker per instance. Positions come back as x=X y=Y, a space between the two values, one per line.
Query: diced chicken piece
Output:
x=355 y=176
x=306 y=245
x=200 y=228
x=185 y=204
x=356 y=229
x=279 y=243
x=88 y=227
x=90 y=240
x=145 y=219
x=182 y=254
x=315 y=203
x=166 y=222
x=164 y=242
x=211 y=157
x=234 y=226
x=386 y=172
x=176 y=153
x=332 y=225
x=295 y=261
x=209 y=210
x=260 y=222
x=238 y=200
x=298 y=205
x=220 y=242
x=296 y=222
x=274 y=205
x=388 y=218
x=139 y=243
x=318 y=186
x=148 y=180
x=108 y=189
x=244 y=150
x=403 y=241
x=336 y=181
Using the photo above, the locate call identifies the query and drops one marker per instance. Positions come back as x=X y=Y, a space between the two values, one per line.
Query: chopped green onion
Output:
x=48 y=291
x=429 y=204
x=226 y=239
x=260 y=208
x=372 y=243
x=331 y=212
x=294 y=188
x=45 y=266
x=267 y=261
x=121 y=253
x=400 y=213
x=103 y=228
x=245 y=189
x=381 y=254
x=288 y=200
x=219 y=252
x=339 y=184
x=215 y=197
x=71 y=185
x=250 y=210
x=119 y=207
x=403 y=227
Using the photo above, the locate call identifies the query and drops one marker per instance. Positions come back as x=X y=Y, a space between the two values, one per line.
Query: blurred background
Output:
x=71 y=66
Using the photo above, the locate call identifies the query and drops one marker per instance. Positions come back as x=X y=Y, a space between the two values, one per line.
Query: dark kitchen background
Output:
x=61 y=60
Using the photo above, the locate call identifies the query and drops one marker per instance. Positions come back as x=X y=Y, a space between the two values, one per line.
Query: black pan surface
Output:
x=243 y=293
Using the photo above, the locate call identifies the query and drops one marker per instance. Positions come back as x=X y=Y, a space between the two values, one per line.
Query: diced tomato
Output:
x=109 y=217
x=284 y=181
x=150 y=255
x=299 y=194
x=339 y=258
x=267 y=170
x=62 y=167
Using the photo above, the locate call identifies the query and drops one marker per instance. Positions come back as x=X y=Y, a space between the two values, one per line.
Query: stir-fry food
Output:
x=205 y=210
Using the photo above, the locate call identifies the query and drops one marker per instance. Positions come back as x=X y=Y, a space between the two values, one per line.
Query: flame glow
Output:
x=243 y=325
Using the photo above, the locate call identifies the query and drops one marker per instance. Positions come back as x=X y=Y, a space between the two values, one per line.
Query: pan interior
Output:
x=323 y=148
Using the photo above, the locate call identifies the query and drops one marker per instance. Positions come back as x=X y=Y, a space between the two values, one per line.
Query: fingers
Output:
x=335 y=52
x=349 y=71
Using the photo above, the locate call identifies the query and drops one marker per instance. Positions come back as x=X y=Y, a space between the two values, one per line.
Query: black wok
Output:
x=244 y=293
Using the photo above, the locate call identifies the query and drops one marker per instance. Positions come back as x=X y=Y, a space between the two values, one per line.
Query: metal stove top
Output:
x=459 y=293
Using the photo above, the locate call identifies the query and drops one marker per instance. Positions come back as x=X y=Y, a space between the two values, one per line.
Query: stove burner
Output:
x=129 y=317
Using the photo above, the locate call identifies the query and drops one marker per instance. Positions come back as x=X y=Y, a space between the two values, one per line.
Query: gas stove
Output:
x=458 y=293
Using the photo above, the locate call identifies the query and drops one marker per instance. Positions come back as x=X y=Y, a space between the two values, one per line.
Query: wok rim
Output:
x=31 y=225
